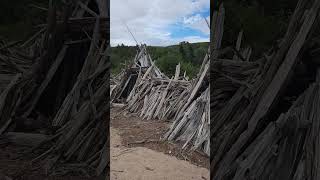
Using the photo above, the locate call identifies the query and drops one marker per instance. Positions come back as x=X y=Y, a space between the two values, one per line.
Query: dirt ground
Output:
x=15 y=164
x=137 y=153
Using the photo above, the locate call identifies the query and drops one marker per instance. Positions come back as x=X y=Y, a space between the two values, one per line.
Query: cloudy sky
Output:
x=159 y=22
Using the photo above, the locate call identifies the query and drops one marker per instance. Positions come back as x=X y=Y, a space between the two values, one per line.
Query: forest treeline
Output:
x=18 y=19
x=190 y=56
x=263 y=22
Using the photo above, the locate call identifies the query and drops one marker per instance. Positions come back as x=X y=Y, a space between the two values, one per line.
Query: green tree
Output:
x=165 y=57
x=263 y=22
x=168 y=63
x=191 y=56
x=18 y=18
x=181 y=50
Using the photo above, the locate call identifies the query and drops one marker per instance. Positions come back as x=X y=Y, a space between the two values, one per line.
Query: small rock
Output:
x=147 y=168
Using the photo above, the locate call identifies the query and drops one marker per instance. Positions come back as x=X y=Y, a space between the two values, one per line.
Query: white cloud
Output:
x=198 y=22
x=149 y=20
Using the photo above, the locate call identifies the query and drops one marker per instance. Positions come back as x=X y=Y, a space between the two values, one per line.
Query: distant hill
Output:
x=190 y=55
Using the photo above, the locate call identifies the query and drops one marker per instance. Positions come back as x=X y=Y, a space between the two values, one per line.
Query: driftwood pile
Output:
x=191 y=123
x=228 y=76
x=145 y=90
x=268 y=127
x=125 y=81
x=64 y=94
x=157 y=98
x=115 y=81
x=12 y=62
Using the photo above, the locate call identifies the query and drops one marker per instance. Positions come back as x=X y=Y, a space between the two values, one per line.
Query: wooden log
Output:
x=118 y=105
x=25 y=139
x=47 y=80
x=177 y=73
x=238 y=44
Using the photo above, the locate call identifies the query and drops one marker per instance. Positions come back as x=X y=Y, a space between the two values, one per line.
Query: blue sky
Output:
x=159 y=22
x=180 y=30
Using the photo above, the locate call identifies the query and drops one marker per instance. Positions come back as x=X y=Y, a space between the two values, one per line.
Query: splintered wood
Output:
x=12 y=62
x=57 y=84
x=145 y=90
x=261 y=128
x=191 y=123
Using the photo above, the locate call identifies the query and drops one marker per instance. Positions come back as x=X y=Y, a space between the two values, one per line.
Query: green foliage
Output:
x=18 y=18
x=189 y=55
x=168 y=63
x=190 y=69
x=263 y=22
x=121 y=55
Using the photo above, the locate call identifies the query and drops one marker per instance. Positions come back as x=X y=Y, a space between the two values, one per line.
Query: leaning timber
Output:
x=145 y=90
x=264 y=123
x=57 y=84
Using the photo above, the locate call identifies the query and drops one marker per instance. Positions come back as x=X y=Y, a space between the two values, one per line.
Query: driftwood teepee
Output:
x=147 y=91
x=125 y=81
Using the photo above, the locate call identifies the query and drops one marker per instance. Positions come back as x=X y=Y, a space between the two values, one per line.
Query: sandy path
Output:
x=140 y=163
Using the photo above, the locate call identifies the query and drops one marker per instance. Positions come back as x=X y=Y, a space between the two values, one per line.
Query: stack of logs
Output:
x=12 y=62
x=191 y=123
x=157 y=98
x=115 y=81
x=60 y=89
x=228 y=76
x=154 y=96
x=266 y=123
x=126 y=80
